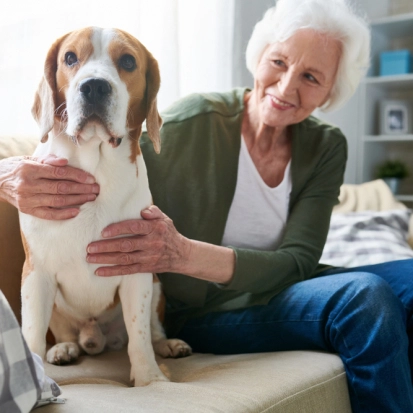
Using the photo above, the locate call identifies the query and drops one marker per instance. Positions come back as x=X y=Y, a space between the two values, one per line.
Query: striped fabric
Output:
x=23 y=382
x=368 y=237
x=19 y=387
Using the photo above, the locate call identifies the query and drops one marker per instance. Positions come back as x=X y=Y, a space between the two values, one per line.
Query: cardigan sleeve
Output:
x=306 y=231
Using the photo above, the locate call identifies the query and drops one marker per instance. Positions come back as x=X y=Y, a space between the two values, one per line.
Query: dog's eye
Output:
x=127 y=62
x=70 y=59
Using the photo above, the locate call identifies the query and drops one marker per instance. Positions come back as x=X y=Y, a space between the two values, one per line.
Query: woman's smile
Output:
x=278 y=103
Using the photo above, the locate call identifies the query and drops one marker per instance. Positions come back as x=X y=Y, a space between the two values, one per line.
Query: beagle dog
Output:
x=99 y=86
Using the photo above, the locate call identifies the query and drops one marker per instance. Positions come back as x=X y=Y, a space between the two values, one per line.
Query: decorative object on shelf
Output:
x=395 y=117
x=395 y=62
x=392 y=172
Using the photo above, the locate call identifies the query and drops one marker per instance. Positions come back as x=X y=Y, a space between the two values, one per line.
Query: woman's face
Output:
x=295 y=77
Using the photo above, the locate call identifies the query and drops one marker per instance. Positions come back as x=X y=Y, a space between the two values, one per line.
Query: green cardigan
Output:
x=193 y=181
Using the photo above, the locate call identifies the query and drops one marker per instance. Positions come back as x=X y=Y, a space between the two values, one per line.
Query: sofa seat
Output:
x=296 y=381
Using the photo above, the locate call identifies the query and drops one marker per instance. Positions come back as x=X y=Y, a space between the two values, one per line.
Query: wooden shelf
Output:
x=388 y=138
x=394 y=26
x=393 y=79
x=394 y=19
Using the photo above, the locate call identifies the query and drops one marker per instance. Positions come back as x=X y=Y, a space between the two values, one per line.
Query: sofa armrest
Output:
x=11 y=248
x=11 y=256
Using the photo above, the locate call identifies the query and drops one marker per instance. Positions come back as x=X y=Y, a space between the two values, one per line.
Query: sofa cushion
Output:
x=299 y=381
x=369 y=196
x=17 y=146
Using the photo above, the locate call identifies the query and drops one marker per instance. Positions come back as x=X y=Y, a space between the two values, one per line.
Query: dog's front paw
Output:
x=173 y=347
x=63 y=353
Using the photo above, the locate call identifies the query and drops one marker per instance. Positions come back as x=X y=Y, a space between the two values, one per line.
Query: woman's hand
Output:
x=45 y=187
x=152 y=245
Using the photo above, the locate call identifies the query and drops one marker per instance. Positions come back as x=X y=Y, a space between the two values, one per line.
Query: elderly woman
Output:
x=248 y=180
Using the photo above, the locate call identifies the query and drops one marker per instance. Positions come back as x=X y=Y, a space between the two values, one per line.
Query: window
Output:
x=191 y=39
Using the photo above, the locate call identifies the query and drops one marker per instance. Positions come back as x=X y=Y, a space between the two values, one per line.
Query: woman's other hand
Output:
x=151 y=244
x=45 y=187
x=154 y=245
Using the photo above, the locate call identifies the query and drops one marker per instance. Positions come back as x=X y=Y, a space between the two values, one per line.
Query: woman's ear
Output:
x=45 y=99
x=153 y=119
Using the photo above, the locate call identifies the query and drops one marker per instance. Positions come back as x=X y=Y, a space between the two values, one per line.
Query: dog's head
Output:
x=99 y=82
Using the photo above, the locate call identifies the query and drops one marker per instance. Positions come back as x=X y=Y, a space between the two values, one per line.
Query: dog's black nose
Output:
x=95 y=90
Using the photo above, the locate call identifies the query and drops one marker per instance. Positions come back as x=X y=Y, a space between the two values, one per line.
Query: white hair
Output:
x=334 y=18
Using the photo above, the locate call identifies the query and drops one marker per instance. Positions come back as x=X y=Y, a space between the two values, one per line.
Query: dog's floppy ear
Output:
x=153 y=119
x=45 y=99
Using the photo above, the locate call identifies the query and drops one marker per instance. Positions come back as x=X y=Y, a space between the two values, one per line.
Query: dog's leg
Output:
x=38 y=294
x=135 y=294
x=65 y=331
x=164 y=347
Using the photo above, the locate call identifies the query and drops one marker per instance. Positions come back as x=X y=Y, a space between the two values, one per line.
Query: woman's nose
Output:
x=288 y=83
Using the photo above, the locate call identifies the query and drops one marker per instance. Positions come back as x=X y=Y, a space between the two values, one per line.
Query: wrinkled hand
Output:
x=45 y=187
x=153 y=245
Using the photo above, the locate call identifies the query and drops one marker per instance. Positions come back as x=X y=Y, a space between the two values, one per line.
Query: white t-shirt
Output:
x=258 y=213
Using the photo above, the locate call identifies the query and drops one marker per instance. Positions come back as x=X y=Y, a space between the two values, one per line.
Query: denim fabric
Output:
x=364 y=314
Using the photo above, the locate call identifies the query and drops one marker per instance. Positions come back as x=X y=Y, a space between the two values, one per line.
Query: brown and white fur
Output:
x=99 y=86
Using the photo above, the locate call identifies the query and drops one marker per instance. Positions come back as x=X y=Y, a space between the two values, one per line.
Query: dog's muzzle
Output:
x=96 y=96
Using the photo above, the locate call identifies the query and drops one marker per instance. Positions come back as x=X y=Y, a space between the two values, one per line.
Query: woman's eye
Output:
x=70 y=59
x=278 y=62
x=127 y=62
x=311 y=78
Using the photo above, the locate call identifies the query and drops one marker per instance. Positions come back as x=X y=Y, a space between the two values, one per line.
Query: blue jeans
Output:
x=364 y=314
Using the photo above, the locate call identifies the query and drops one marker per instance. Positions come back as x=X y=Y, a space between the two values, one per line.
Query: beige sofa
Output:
x=299 y=381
